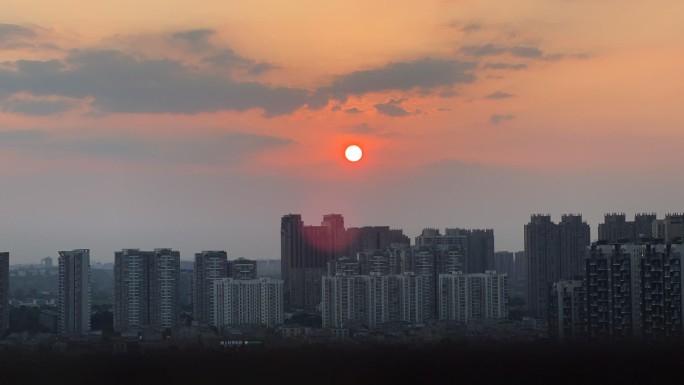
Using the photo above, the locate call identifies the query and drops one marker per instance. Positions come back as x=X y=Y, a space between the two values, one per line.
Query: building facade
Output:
x=74 y=292
x=238 y=302
x=209 y=265
x=146 y=289
x=242 y=268
x=473 y=297
x=368 y=301
x=567 y=311
x=4 y=292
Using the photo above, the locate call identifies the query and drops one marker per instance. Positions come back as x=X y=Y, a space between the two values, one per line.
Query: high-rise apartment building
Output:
x=187 y=287
x=567 y=311
x=209 y=265
x=371 y=300
x=242 y=268
x=238 y=302
x=553 y=252
x=520 y=266
x=615 y=227
x=146 y=289
x=670 y=229
x=542 y=251
x=574 y=237
x=504 y=263
x=634 y=291
x=4 y=292
x=74 y=292
x=477 y=246
x=467 y=297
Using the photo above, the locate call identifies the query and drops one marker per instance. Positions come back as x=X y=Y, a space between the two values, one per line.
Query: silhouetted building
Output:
x=46 y=262
x=615 y=228
x=542 y=251
x=209 y=265
x=574 y=238
x=242 y=268
x=4 y=292
x=520 y=266
x=187 y=283
x=554 y=252
x=146 y=289
x=74 y=292
x=670 y=229
x=238 y=302
x=477 y=246
x=568 y=311
x=504 y=262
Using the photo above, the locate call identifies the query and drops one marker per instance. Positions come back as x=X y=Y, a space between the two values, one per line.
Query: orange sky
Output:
x=269 y=89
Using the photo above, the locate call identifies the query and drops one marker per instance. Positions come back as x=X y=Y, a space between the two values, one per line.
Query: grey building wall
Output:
x=4 y=292
x=209 y=265
x=74 y=292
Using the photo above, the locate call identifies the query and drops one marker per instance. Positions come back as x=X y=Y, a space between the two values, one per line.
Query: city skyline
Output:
x=194 y=126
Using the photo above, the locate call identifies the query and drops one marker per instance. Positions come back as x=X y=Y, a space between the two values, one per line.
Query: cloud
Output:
x=482 y=50
x=118 y=82
x=220 y=55
x=392 y=108
x=499 y=95
x=528 y=52
x=499 y=118
x=215 y=150
x=425 y=73
x=353 y=110
x=505 y=66
x=33 y=106
x=11 y=31
x=472 y=27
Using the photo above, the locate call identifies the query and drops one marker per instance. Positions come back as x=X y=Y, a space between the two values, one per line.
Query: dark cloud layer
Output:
x=527 y=52
x=11 y=31
x=425 y=73
x=121 y=83
x=38 y=107
x=392 y=108
x=499 y=95
x=505 y=66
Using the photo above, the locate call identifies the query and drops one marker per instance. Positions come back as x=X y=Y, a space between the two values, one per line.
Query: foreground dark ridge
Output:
x=443 y=363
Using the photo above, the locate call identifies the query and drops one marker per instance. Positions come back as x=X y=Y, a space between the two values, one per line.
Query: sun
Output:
x=353 y=153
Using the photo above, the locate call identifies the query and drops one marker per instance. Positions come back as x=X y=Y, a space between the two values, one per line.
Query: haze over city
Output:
x=198 y=126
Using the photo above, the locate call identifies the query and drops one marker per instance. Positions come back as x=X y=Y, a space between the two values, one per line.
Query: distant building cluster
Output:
x=371 y=276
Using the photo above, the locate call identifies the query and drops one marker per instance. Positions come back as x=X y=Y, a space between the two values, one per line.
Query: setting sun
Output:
x=353 y=153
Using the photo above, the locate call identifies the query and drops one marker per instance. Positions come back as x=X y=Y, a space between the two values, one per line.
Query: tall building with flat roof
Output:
x=616 y=228
x=574 y=237
x=467 y=297
x=4 y=292
x=369 y=301
x=239 y=302
x=146 y=289
x=74 y=292
x=209 y=265
x=542 y=251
